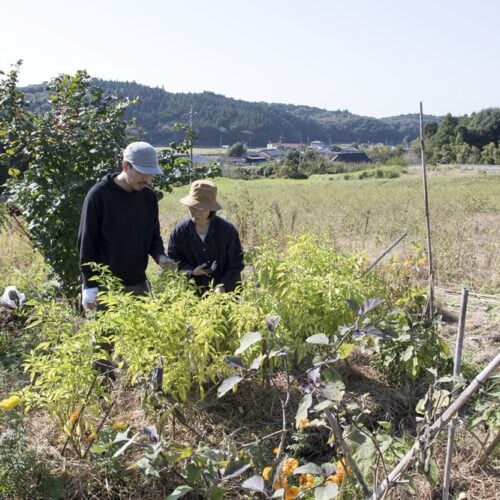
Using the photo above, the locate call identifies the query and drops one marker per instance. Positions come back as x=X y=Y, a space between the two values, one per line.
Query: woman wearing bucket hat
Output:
x=205 y=246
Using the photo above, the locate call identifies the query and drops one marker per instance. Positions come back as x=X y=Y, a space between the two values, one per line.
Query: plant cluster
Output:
x=302 y=314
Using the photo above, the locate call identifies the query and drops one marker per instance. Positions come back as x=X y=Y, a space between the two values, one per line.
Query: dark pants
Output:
x=104 y=366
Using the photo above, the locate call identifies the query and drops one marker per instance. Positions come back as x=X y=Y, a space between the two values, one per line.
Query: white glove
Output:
x=167 y=263
x=89 y=296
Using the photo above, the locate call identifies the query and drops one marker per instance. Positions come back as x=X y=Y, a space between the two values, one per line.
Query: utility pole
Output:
x=191 y=133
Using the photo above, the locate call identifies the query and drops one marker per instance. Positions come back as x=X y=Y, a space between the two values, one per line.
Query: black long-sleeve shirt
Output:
x=119 y=228
x=222 y=244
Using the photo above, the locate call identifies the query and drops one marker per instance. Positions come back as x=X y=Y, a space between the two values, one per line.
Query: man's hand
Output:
x=167 y=263
x=201 y=270
x=89 y=298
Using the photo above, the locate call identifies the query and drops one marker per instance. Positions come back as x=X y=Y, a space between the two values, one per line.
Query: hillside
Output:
x=221 y=120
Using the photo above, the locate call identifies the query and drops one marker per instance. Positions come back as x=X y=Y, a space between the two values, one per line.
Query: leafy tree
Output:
x=237 y=150
x=69 y=148
x=484 y=127
x=15 y=125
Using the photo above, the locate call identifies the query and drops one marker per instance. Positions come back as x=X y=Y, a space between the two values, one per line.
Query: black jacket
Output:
x=119 y=228
x=221 y=244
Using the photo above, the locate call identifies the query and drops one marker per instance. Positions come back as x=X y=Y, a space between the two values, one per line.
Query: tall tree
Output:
x=69 y=148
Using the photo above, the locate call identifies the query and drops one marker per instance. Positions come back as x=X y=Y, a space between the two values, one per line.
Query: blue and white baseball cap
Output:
x=143 y=157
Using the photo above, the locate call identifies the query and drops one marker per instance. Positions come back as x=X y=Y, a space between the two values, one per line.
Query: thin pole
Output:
x=393 y=477
x=385 y=252
x=427 y=222
x=457 y=363
x=191 y=132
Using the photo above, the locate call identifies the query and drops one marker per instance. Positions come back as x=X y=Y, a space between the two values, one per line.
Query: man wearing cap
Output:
x=205 y=246
x=119 y=224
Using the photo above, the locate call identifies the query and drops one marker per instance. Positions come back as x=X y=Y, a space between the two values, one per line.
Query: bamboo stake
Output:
x=337 y=432
x=385 y=252
x=456 y=373
x=393 y=477
x=427 y=219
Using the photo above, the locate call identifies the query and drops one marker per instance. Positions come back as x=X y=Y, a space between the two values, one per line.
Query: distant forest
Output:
x=219 y=120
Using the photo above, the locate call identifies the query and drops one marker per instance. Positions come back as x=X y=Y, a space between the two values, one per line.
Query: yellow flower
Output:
x=276 y=451
x=120 y=426
x=291 y=493
x=290 y=465
x=304 y=422
x=10 y=403
x=306 y=480
x=281 y=482
x=265 y=472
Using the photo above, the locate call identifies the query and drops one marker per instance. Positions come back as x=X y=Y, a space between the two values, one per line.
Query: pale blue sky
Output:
x=374 y=58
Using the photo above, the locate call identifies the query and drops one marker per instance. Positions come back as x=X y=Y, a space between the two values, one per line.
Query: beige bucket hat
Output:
x=202 y=195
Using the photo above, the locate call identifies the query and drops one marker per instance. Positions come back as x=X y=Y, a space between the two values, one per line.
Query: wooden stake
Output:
x=385 y=252
x=456 y=373
x=432 y=430
x=427 y=219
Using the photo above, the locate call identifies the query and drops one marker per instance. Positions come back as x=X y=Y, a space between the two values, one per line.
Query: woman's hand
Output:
x=201 y=270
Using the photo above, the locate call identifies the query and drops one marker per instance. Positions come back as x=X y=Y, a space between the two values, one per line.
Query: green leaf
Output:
x=334 y=391
x=304 y=406
x=248 y=340
x=309 y=468
x=215 y=493
x=227 y=385
x=318 y=338
x=328 y=492
x=344 y=350
x=433 y=474
x=369 y=305
x=179 y=492
x=193 y=472
x=324 y=405
x=235 y=469
x=407 y=354
x=363 y=451
x=234 y=362
x=100 y=448
x=255 y=483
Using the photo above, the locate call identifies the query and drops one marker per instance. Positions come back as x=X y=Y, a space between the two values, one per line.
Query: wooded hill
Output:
x=221 y=120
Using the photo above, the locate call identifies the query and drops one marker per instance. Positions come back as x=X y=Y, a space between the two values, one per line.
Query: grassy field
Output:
x=367 y=215
x=356 y=215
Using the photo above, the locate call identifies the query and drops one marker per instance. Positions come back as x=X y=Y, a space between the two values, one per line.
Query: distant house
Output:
x=271 y=153
x=285 y=146
x=253 y=159
x=317 y=145
x=350 y=157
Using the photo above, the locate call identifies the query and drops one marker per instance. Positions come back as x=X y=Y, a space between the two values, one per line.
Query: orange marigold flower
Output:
x=334 y=478
x=281 y=482
x=292 y=492
x=304 y=422
x=265 y=472
x=306 y=480
x=289 y=465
